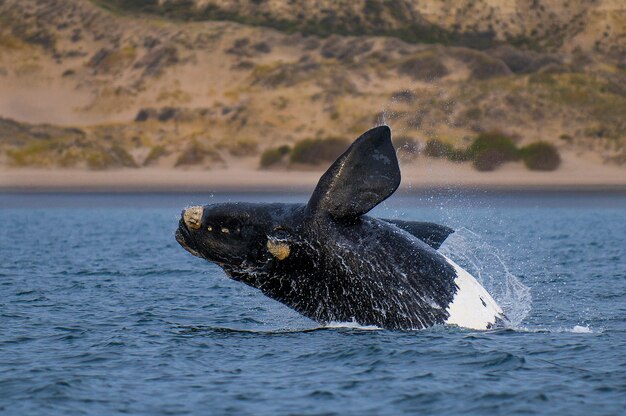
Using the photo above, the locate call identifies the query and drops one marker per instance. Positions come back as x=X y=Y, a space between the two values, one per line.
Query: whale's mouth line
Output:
x=182 y=235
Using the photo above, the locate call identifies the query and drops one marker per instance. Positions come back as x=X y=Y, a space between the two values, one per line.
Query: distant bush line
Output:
x=306 y=152
x=487 y=152
x=406 y=28
x=491 y=149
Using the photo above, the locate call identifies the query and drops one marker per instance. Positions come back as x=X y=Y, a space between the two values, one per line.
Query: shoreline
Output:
x=420 y=177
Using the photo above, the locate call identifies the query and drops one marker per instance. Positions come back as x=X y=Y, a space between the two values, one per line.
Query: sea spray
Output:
x=481 y=260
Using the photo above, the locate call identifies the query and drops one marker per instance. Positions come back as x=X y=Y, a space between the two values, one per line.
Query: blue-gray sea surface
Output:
x=101 y=312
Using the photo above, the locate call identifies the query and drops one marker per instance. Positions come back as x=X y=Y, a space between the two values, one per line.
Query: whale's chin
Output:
x=182 y=235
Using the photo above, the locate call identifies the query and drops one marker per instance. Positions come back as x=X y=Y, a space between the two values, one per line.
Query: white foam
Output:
x=577 y=329
x=483 y=262
x=472 y=306
x=352 y=325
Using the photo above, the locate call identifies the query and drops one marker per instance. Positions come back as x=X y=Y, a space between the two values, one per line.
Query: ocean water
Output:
x=101 y=312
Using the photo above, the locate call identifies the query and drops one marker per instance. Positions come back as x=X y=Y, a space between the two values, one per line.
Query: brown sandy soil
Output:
x=574 y=173
x=122 y=90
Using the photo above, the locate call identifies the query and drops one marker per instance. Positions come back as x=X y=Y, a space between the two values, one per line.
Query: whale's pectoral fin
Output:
x=432 y=234
x=364 y=176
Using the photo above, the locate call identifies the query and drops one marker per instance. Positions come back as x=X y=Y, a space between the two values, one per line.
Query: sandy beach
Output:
x=574 y=173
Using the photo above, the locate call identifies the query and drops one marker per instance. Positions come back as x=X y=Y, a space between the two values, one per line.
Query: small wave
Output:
x=204 y=330
x=498 y=360
x=352 y=325
x=576 y=329
x=190 y=330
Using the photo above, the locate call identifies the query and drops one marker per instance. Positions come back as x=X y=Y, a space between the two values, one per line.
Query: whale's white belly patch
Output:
x=472 y=306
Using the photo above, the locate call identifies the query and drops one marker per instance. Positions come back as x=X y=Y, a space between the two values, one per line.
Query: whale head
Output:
x=236 y=234
x=229 y=234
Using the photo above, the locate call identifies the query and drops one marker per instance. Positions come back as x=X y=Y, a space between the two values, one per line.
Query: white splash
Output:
x=581 y=330
x=482 y=261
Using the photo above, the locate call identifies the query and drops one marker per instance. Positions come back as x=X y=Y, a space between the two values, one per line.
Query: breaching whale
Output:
x=331 y=262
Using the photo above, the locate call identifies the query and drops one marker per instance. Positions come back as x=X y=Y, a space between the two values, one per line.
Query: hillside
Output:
x=180 y=83
x=541 y=25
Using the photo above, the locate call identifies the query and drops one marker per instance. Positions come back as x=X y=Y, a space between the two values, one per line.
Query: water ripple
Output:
x=107 y=320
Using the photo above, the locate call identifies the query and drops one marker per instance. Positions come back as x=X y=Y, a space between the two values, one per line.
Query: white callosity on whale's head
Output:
x=472 y=306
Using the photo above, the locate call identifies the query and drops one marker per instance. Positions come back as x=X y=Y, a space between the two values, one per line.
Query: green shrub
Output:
x=458 y=155
x=566 y=138
x=488 y=160
x=314 y=151
x=541 y=156
x=490 y=150
x=495 y=141
x=274 y=155
x=437 y=149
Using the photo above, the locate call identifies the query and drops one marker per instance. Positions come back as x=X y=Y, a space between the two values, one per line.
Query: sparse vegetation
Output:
x=390 y=20
x=196 y=153
x=121 y=157
x=425 y=67
x=243 y=148
x=33 y=154
x=156 y=153
x=314 y=151
x=404 y=96
x=110 y=61
x=473 y=113
x=50 y=146
x=481 y=65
